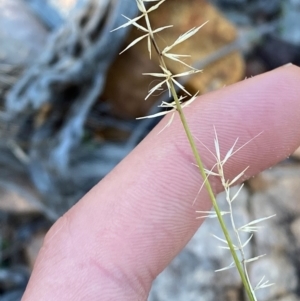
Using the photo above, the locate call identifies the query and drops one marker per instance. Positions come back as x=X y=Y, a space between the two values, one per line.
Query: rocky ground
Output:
x=191 y=275
x=238 y=42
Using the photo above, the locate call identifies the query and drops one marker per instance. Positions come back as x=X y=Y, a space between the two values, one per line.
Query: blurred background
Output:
x=68 y=108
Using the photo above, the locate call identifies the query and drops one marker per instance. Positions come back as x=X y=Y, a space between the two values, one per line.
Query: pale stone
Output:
x=22 y=35
x=271 y=236
x=282 y=190
x=290 y=297
x=278 y=270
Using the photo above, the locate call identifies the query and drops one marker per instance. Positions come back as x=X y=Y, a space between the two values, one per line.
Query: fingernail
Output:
x=287 y=65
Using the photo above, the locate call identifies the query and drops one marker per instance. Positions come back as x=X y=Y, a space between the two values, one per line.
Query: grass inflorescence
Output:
x=171 y=81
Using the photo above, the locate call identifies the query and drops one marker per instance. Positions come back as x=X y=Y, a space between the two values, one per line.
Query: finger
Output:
x=126 y=230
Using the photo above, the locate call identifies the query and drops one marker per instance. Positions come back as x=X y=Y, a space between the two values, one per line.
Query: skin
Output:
x=114 y=242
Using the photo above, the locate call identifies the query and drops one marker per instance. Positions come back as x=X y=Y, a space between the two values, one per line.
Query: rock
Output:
x=22 y=36
x=276 y=191
x=278 y=270
x=272 y=237
x=281 y=191
x=290 y=297
x=126 y=88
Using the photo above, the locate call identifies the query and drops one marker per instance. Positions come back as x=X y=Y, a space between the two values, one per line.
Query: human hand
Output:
x=114 y=242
